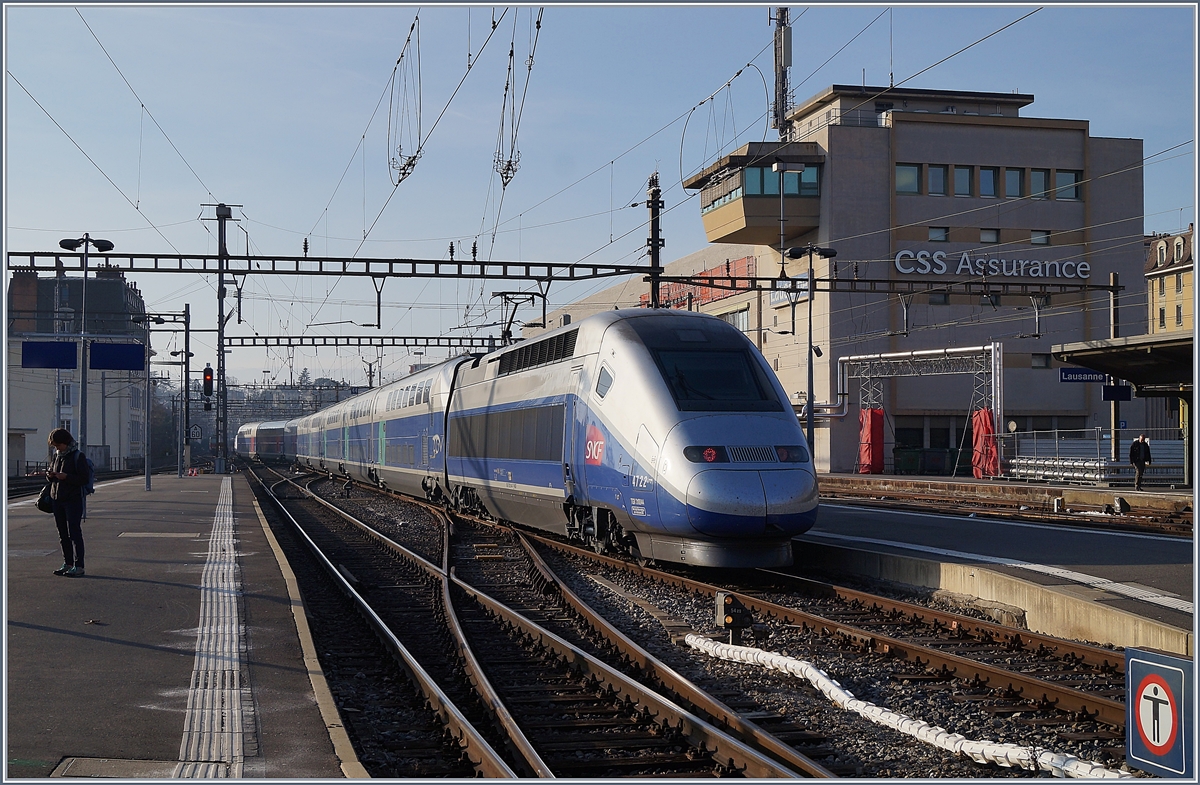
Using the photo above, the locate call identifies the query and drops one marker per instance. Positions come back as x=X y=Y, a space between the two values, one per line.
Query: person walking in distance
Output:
x=1139 y=456
x=68 y=474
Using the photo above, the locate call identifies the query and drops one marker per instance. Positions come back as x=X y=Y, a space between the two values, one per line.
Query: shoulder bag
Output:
x=44 y=502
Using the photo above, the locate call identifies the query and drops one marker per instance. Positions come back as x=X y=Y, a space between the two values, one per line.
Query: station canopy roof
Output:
x=1156 y=365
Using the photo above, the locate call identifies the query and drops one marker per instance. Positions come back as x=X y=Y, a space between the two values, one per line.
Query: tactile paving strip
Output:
x=220 y=712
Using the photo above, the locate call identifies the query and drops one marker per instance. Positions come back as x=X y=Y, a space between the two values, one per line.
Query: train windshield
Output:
x=716 y=381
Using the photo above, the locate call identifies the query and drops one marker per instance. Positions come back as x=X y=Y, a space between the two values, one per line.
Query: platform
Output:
x=1086 y=581
x=183 y=652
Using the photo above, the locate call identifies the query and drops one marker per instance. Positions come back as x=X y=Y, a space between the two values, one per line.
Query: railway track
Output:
x=543 y=705
x=1027 y=671
x=1179 y=523
x=966 y=684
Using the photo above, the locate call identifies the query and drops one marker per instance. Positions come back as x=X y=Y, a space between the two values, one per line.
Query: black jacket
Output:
x=1139 y=452
x=74 y=465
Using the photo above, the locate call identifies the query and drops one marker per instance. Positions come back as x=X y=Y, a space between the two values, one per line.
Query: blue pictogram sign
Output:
x=1158 y=722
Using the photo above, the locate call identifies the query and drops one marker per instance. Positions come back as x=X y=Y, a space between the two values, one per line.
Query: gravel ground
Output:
x=869 y=749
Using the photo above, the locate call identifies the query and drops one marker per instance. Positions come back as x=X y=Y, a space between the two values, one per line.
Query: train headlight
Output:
x=706 y=454
x=792 y=454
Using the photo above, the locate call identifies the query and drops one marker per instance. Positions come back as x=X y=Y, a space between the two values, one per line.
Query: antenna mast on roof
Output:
x=783 y=60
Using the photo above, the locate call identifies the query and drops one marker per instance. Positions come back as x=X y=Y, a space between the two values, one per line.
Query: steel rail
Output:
x=731 y=750
x=519 y=743
x=517 y=738
x=1028 y=688
x=673 y=681
x=1101 y=658
x=485 y=759
x=999 y=508
x=726 y=749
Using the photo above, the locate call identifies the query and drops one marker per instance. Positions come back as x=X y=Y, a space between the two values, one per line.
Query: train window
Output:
x=603 y=382
x=720 y=381
x=534 y=434
x=425 y=391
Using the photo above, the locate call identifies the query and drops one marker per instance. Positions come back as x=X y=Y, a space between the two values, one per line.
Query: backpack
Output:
x=89 y=487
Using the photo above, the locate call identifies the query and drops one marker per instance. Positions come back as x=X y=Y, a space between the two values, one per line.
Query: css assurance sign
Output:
x=940 y=263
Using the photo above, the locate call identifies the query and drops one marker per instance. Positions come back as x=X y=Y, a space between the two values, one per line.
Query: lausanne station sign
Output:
x=940 y=262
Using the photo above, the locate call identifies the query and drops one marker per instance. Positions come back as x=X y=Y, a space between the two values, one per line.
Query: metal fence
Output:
x=1085 y=456
x=18 y=467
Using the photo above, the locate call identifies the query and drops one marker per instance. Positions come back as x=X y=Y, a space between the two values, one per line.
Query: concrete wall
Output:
x=1064 y=610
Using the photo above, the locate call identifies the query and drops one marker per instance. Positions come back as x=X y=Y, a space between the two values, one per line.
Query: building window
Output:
x=988 y=178
x=962 y=181
x=908 y=179
x=64 y=395
x=1162 y=318
x=1039 y=183
x=777 y=363
x=937 y=180
x=1040 y=237
x=939 y=234
x=939 y=298
x=806 y=183
x=761 y=182
x=1178 y=282
x=739 y=319
x=989 y=235
x=910 y=431
x=1012 y=183
x=1066 y=184
x=1178 y=314
x=1179 y=250
x=1162 y=286
x=1041 y=361
x=1162 y=254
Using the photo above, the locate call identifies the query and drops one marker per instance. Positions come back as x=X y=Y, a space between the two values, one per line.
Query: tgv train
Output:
x=663 y=434
x=261 y=441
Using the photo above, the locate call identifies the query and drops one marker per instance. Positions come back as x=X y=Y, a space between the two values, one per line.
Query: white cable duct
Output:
x=1007 y=755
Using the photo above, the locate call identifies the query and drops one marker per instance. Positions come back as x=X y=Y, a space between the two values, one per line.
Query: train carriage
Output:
x=263 y=441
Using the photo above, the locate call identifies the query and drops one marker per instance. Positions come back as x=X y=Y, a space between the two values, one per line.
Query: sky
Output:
x=124 y=121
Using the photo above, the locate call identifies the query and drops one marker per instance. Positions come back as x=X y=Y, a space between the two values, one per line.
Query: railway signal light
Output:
x=732 y=614
x=208 y=380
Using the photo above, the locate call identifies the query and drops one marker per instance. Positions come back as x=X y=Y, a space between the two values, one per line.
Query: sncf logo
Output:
x=594 y=450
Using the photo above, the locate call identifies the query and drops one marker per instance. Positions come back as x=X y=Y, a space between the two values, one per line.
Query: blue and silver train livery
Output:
x=663 y=434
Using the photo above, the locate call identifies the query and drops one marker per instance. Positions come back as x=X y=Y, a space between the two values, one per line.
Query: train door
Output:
x=572 y=467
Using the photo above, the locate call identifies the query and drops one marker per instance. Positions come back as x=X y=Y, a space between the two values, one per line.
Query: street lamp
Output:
x=796 y=253
x=101 y=246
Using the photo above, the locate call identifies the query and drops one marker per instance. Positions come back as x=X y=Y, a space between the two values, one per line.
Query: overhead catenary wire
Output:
x=93 y=162
x=147 y=111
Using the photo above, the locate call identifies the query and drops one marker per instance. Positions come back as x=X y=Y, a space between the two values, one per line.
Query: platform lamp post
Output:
x=101 y=246
x=796 y=253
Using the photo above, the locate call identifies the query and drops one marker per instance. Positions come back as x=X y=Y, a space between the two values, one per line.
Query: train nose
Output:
x=724 y=503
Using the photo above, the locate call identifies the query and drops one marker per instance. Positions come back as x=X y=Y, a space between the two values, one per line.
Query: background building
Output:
x=1169 y=283
x=39 y=400
x=923 y=186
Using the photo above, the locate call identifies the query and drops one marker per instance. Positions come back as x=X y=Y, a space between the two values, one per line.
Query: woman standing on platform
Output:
x=68 y=474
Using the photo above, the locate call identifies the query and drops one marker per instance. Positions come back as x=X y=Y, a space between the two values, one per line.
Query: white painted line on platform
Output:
x=220 y=709
x=1058 y=527
x=1101 y=584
